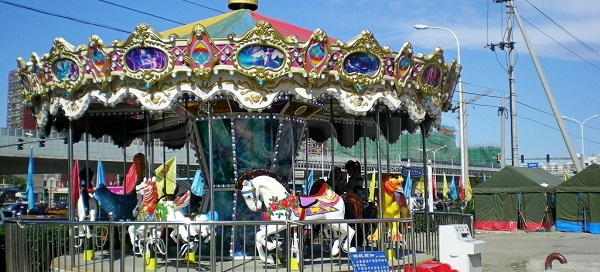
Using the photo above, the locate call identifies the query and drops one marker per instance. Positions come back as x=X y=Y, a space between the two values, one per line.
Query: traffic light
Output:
x=548 y=158
x=42 y=142
x=522 y=158
x=20 y=146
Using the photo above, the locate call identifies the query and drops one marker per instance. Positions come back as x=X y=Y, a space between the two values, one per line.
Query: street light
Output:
x=433 y=150
x=464 y=152
x=582 y=143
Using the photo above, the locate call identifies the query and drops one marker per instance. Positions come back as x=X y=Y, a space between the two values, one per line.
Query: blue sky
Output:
x=574 y=79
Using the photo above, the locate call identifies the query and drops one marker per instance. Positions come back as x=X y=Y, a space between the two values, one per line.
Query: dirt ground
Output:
x=527 y=251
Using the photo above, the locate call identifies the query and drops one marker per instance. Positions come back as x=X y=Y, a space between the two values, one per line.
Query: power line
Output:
x=565 y=30
x=142 y=12
x=562 y=45
x=65 y=17
x=206 y=7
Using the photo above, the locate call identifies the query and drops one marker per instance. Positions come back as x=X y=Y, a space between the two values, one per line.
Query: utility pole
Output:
x=512 y=11
x=509 y=45
x=502 y=114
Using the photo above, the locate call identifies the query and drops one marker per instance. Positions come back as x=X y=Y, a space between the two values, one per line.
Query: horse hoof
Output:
x=270 y=260
x=335 y=252
x=352 y=249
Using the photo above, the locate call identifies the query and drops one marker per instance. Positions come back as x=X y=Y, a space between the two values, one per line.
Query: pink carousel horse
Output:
x=263 y=189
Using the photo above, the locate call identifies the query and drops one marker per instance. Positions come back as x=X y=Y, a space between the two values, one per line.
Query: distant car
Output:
x=9 y=209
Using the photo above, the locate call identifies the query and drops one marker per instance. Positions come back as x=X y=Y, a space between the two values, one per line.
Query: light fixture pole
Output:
x=581 y=124
x=464 y=149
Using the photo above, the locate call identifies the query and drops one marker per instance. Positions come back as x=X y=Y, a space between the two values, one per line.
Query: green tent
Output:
x=578 y=202
x=514 y=198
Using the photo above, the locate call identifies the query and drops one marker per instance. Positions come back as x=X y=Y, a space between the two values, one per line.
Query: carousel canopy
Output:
x=238 y=62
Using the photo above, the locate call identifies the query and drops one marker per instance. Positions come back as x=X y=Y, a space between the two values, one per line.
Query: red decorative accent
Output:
x=277 y=206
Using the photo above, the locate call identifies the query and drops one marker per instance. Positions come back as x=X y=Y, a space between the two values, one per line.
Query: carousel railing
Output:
x=58 y=245
x=427 y=238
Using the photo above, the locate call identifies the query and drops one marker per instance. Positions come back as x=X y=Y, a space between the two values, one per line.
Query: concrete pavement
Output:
x=527 y=251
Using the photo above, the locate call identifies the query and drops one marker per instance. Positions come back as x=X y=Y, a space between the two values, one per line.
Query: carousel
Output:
x=240 y=91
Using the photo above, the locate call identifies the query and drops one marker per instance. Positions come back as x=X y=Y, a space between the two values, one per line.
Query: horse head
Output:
x=250 y=195
x=250 y=192
x=392 y=183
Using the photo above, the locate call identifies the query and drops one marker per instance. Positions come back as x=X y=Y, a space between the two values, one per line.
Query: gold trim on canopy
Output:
x=153 y=71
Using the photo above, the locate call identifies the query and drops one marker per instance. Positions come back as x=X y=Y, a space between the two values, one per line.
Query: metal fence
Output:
x=54 y=245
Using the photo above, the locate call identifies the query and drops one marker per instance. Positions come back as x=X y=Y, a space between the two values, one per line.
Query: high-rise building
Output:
x=17 y=115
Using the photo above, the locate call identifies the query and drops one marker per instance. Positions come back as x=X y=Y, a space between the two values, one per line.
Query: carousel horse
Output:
x=139 y=234
x=86 y=203
x=86 y=214
x=171 y=210
x=394 y=205
x=122 y=207
x=263 y=189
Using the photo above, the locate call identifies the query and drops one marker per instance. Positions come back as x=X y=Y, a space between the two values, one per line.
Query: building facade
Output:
x=17 y=115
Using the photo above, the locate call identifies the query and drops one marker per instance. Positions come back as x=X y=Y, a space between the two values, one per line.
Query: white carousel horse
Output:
x=172 y=211
x=261 y=187
x=86 y=215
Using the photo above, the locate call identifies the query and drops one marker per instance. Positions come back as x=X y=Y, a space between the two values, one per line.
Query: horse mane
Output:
x=150 y=196
x=259 y=172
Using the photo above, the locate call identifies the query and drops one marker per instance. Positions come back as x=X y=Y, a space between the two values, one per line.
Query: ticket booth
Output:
x=459 y=249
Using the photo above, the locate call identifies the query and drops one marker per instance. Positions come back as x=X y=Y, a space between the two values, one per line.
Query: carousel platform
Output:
x=102 y=261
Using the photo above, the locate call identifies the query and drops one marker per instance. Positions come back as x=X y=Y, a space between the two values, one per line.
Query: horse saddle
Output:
x=324 y=194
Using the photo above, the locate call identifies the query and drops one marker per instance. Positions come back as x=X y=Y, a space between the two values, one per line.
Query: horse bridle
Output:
x=252 y=190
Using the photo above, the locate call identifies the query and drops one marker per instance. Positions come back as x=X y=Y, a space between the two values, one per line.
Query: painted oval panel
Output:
x=65 y=69
x=98 y=59
x=260 y=55
x=316 y=54
x=146 y=58
x=431 y=76
x=403 y=65
x=200 y=54
x=362 y=63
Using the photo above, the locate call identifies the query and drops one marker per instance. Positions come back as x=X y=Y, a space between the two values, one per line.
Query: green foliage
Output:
x=17 y=182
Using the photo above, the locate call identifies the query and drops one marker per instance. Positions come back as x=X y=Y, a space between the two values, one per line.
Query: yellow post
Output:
x=151 y=264
x=294 y=264
x=390 y=254
x=191 y=257
x=88 y=255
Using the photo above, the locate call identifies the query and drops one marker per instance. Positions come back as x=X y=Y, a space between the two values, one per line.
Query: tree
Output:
x=18 y=182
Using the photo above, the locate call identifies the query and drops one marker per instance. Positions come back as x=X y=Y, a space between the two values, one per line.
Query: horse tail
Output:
x=355 y=202
x=139 y=160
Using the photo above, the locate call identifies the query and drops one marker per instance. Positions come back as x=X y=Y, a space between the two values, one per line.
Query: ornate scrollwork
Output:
x=361 y=61
x=431 y=73
x=146 y=56
x=66 y=68
x=316 y=53
x=201 y=53
x=261 y=53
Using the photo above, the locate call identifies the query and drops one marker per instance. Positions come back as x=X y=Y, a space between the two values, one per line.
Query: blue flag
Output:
x=29 y=191
x=100 y=174
x=198 y=184
x=453 y=192
x=309 y=182
x=408 y=186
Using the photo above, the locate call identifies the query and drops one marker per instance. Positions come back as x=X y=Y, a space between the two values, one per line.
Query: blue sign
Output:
x=533 y=165
x=370 y=261
x=414 y=172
